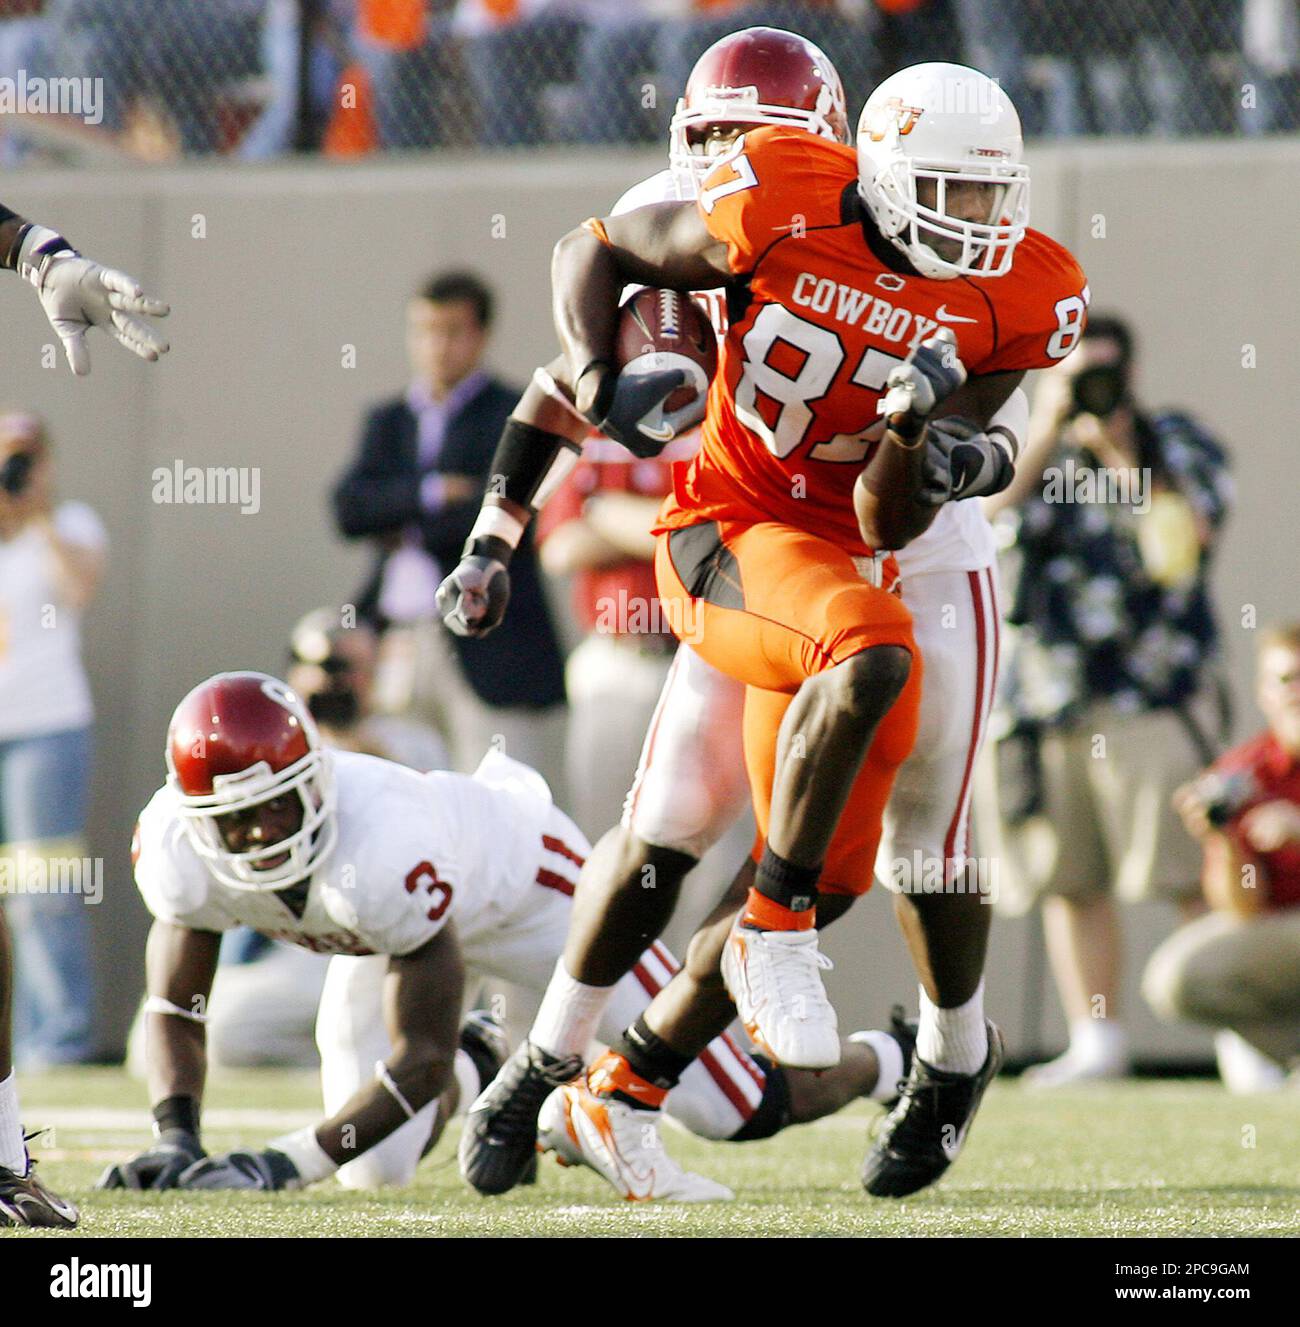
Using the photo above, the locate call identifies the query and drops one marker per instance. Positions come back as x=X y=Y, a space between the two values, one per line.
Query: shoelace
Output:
x=795 y=979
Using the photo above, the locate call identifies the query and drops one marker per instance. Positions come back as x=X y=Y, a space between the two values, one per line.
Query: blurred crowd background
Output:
x=257 y=79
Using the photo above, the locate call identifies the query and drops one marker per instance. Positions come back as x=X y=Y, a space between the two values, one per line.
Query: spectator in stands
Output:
x=51 y=561
x=1238 y=968
x=175 y=53
x=1270 y=42
x=415 y=490
x=25 y=44
x=513 y=51
x=329 y=42
x=1111 y=697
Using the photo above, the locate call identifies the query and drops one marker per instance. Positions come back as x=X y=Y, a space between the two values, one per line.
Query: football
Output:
x=663 y=329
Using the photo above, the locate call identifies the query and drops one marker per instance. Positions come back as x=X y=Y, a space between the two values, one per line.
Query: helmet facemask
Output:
x=310 y=778
x=987 y=247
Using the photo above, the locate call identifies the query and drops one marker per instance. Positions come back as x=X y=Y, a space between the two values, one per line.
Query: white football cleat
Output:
x=620 y=1143
x=775 y=979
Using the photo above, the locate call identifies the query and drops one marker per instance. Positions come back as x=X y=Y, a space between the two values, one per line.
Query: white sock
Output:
x=954 y=1040
x=889 y=1055
x=566 y=1022
x=467 y=1079
x=13 y=1151
x=1101 y=1040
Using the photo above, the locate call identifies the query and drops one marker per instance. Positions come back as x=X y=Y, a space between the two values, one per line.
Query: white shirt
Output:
x=960 y=537
x=414 y=851
x=43 y=686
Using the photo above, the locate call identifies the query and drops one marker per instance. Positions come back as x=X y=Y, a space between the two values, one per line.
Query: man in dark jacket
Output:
x=415 y=489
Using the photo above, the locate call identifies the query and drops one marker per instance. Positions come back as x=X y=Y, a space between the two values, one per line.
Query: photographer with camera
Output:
x=1111 y=695
x=51 y=561
x=1238 y=968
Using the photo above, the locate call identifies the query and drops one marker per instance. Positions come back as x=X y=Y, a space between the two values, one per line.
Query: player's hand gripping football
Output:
x=473 y=599
x=78 y=294
x=242 y=1170
x=921 y=383
x=158 y=1167
x=627 y=407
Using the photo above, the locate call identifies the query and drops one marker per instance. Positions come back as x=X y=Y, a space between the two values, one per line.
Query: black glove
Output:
x=962 y=461
x=158 y=1168
x=923 y=381
x=473 y=599
x=629 y=409
x=242 y=1170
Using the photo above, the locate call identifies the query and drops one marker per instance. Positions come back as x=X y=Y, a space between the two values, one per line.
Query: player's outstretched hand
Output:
x=159 y=1167
x=473 y=599
x=242 y=1170
x=78 y=293
x=923 y=381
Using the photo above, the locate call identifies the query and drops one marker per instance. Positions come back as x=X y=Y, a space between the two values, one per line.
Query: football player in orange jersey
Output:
x=940 y=178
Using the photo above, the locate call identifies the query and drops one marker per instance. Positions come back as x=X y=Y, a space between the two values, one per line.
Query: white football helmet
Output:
x=944 y=123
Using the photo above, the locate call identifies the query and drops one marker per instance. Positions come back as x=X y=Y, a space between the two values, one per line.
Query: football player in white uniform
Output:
x=673 y=813
x=413 y=881
x=76 y=294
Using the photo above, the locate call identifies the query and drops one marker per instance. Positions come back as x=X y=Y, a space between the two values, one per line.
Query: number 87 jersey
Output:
x=822 y=308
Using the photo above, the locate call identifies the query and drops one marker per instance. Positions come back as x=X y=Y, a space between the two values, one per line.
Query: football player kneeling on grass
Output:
x=413 y=882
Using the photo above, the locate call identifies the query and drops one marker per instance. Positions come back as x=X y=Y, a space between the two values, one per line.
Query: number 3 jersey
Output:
x=414 y=851
x=822 y=308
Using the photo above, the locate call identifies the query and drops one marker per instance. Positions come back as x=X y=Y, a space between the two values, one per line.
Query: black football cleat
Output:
x=903 y=1031
x=498 y=1145
x=483 y=1038
x=921 y=1137
x=25 y=1201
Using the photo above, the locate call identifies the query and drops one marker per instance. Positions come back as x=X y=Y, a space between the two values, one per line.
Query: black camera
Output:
x=15 y=472
x=1226 y=795
x=1099 y=390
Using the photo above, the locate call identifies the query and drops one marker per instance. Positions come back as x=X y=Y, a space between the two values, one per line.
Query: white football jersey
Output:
x=414 y=850
x=960 y=537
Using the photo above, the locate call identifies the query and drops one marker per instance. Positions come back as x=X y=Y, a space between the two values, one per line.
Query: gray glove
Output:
x=159 y=1167
x=473 y=599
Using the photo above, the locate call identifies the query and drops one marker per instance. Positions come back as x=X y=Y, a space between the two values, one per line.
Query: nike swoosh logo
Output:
x=664 y=432
x=942 y=314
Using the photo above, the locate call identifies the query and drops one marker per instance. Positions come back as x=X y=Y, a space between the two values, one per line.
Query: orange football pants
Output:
x=772 y=605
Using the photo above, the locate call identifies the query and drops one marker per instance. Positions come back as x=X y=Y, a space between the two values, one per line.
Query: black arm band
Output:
x=525 y=460
x=177 y=1113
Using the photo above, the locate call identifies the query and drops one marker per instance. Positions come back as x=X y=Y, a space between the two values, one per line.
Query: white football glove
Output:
x=78 y=294
x=923 y=381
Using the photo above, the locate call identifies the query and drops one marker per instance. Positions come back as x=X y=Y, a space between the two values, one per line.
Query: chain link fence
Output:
x=255 y=79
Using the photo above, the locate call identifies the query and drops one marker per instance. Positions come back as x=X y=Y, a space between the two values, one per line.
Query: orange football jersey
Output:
x=823 y=308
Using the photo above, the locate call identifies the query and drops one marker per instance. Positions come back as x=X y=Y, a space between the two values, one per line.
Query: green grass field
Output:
x=1162 y=1158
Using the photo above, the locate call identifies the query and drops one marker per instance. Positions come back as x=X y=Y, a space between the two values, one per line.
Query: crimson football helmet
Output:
x=236 y=741
x=755 y=76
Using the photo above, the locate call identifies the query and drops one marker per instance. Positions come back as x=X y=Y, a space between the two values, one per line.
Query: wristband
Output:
x=37 y=245
x=177 y=1112
x=496 y=523
x=155 y=1004
x=308 y=1157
